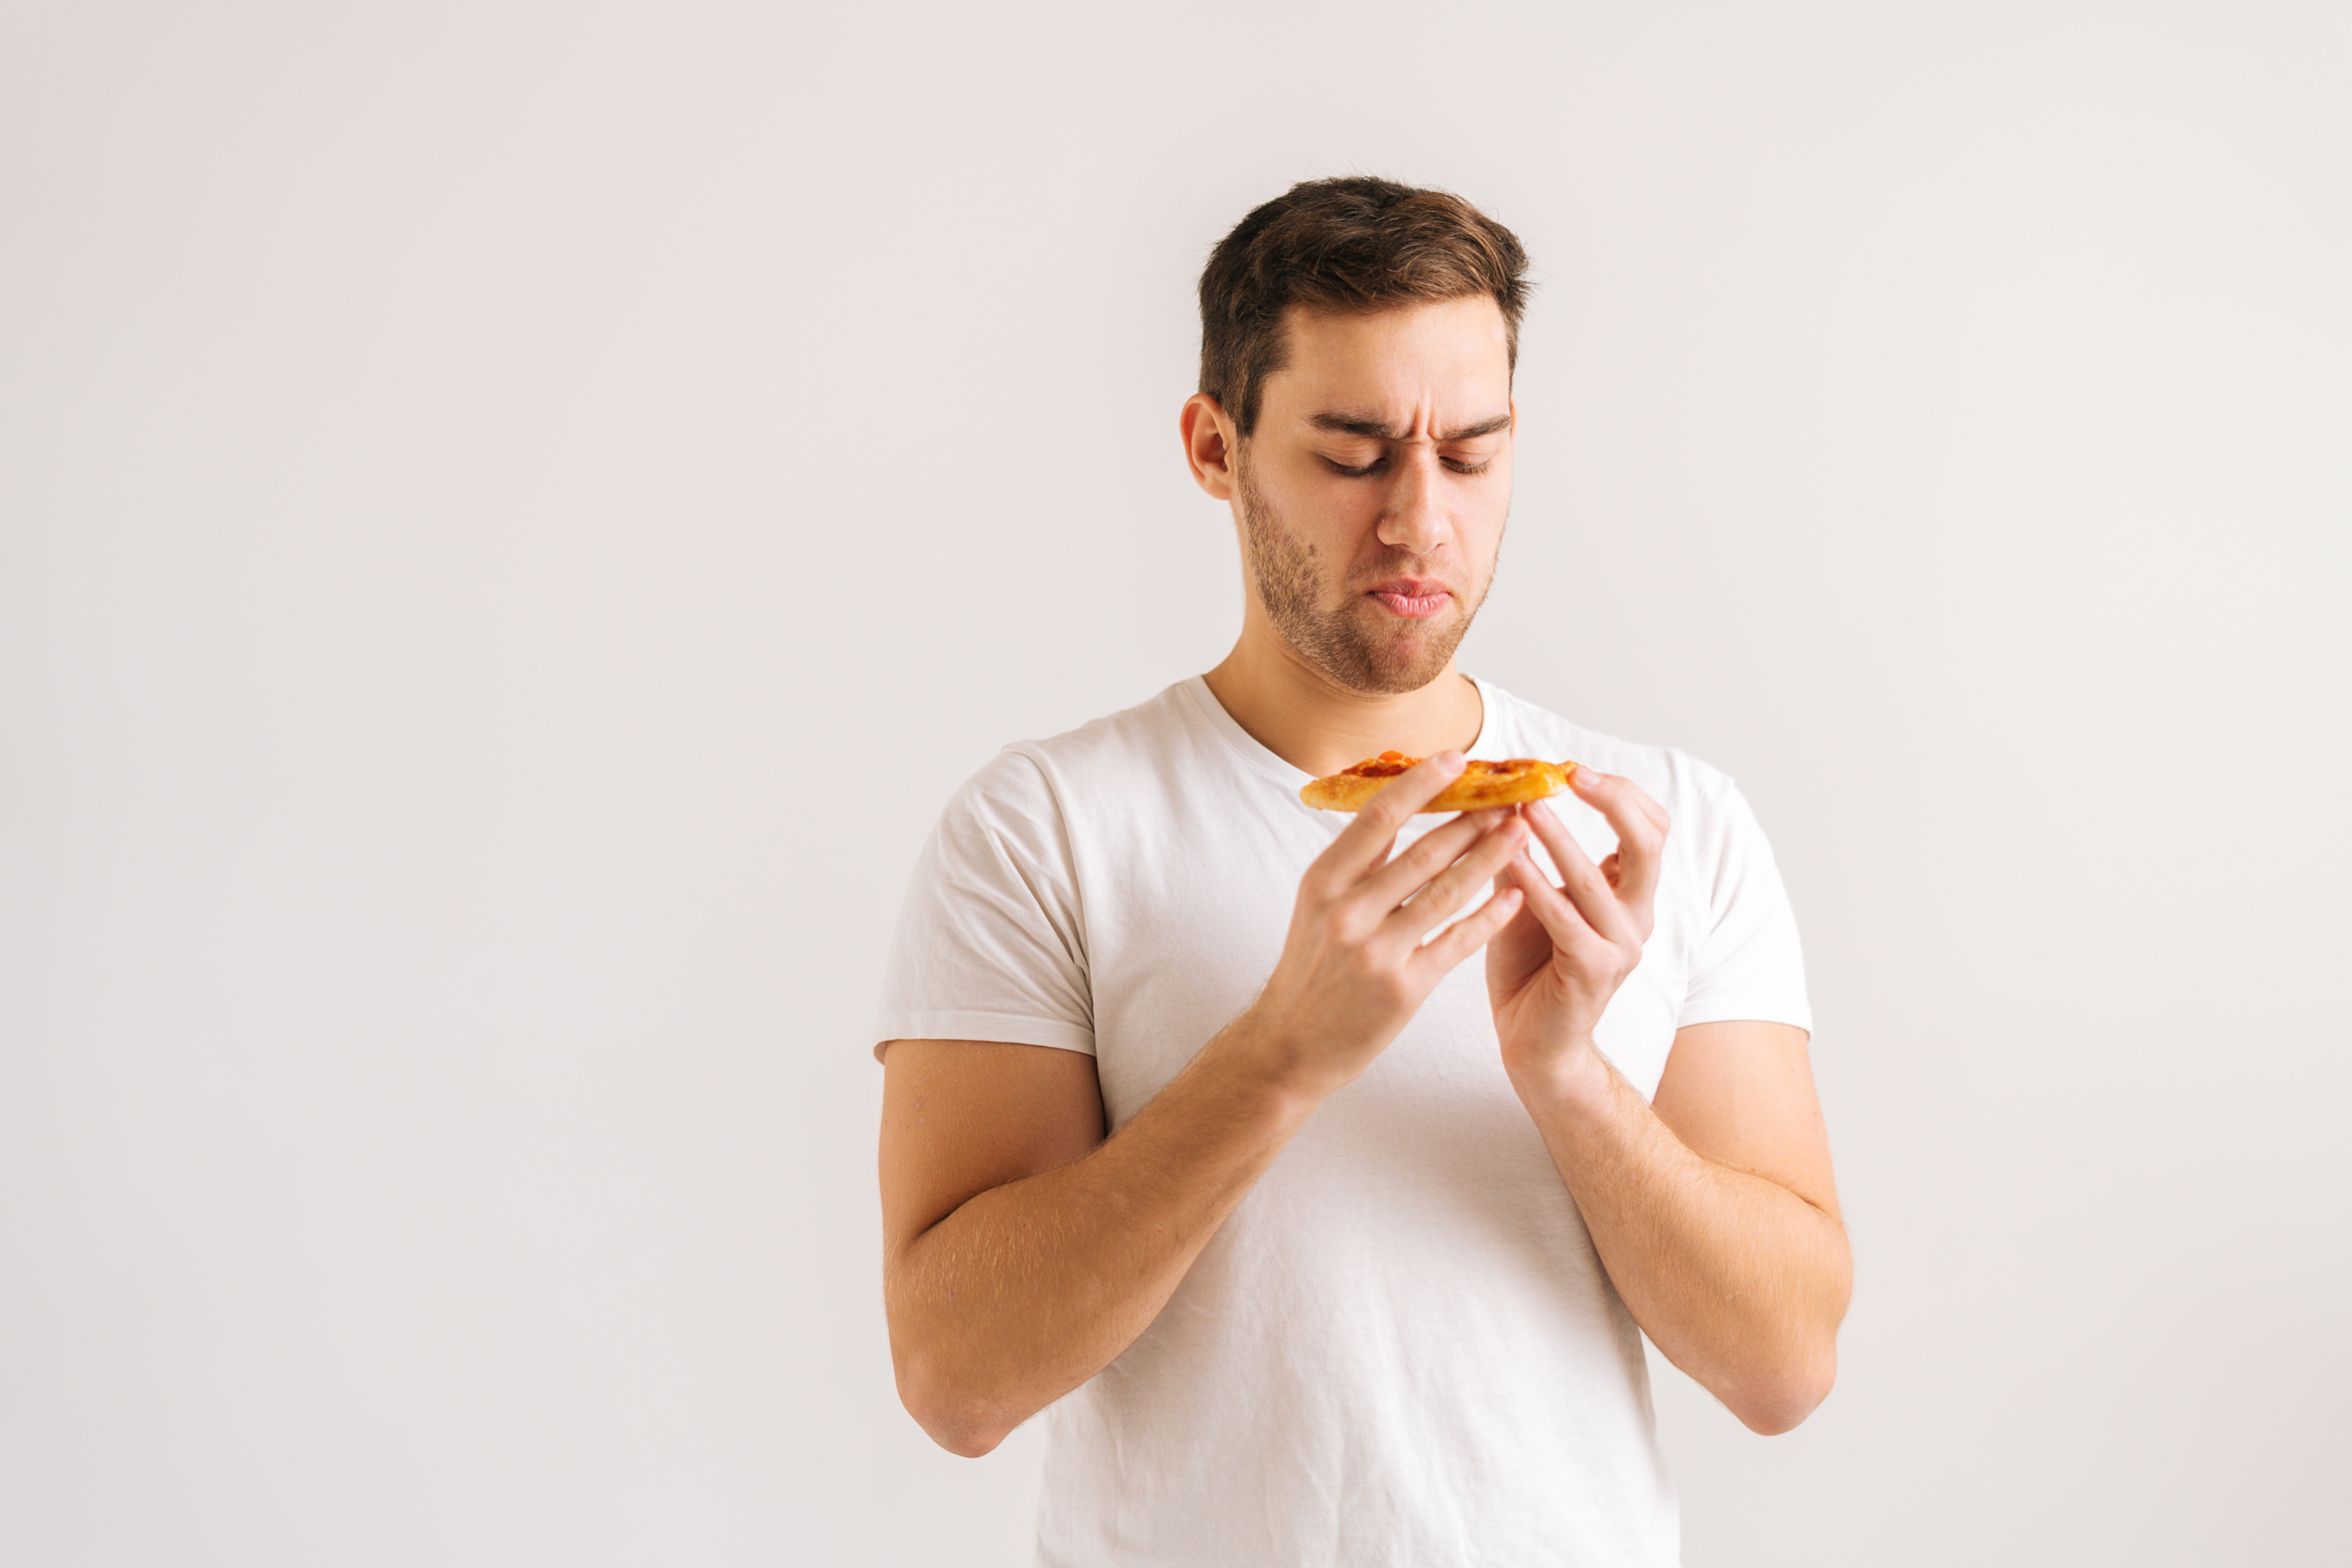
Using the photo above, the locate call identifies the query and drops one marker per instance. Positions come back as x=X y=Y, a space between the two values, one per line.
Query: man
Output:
x=1322 y=1243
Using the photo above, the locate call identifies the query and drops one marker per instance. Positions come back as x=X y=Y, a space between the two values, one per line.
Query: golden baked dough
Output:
x=1482 y=785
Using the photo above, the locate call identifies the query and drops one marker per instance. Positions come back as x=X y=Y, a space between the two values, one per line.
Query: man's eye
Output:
x=1469 y=465
x=1356 y=473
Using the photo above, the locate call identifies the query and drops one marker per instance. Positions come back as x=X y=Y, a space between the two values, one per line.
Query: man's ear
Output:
x=1210 y=442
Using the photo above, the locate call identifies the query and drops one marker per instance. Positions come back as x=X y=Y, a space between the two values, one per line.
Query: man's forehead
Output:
x=1368 y=369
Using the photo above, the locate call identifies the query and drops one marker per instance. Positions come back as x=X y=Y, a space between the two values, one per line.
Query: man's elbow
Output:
x=1783 y=1404
x=964 y=1440
x=950 y=1415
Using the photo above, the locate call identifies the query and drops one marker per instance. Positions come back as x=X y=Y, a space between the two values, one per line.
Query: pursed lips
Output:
x=1415 y=598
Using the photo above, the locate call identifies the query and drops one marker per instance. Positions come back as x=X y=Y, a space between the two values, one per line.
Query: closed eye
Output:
x=1464 y=466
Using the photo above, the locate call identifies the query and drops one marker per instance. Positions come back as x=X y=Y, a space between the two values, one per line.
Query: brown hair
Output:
x=1345 y=245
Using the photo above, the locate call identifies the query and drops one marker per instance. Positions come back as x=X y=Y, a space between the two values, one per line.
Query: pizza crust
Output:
x=1482 y=784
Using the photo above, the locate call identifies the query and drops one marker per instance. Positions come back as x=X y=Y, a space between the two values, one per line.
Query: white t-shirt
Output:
x=1401 y=1348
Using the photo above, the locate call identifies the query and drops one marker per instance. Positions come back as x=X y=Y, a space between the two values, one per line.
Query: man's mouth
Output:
x=1415 y=598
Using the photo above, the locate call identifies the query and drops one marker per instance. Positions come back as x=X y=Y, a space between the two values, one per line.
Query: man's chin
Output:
x=1401 y=663
x=1398 y=682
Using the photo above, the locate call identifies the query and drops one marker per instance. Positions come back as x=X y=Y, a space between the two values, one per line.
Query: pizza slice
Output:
x=1482 y=784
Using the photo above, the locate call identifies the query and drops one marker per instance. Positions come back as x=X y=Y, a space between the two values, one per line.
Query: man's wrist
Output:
x=1266 y=1063
x=1576 y=1079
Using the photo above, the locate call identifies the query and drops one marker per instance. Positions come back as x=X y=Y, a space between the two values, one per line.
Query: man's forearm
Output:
x=1737 y=1279
x=1029 y=1288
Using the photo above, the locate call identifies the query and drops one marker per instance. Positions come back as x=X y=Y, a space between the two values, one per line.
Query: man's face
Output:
x=1372 y=493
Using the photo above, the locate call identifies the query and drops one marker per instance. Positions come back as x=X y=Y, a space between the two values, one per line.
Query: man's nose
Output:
x=1414 y=519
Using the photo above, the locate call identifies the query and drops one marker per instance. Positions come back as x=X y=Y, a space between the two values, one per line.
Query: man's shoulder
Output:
x=1112 y=752
x=1164 y=722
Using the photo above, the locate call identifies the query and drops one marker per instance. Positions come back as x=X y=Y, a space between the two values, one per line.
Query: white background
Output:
x=513 y=519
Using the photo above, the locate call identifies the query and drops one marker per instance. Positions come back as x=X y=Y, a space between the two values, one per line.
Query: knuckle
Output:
x=1424 y=857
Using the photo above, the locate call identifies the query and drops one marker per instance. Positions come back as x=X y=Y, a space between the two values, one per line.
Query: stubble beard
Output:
x=1348 y=642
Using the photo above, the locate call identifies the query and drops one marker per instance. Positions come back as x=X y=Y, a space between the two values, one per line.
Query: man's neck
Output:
x=1316 y=725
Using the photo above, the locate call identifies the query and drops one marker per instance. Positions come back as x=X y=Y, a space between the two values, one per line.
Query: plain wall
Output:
x=513 y=519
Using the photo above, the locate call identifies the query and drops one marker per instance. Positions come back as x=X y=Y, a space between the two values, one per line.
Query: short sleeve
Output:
x=989 y=945
x=1747 y=963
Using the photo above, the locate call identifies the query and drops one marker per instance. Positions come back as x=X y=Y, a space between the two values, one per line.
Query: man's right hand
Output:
x=1355 y=966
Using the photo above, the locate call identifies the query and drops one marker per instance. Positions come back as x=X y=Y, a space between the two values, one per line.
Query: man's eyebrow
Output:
x=1372 y=429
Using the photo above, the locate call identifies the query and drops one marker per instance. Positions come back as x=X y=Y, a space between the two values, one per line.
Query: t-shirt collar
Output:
x=1493 y=731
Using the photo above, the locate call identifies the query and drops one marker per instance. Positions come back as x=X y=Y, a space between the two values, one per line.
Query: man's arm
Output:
x=1713 y=1210
x=1023 y=1250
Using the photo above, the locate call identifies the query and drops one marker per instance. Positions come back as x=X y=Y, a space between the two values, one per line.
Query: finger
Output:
x=1363 y=843
x=1471 y=932
x=1581 y=880
x=1648 y=807
x=1428 y=855
x=1570 y=930
x=1640 y=824
x=1452 y=887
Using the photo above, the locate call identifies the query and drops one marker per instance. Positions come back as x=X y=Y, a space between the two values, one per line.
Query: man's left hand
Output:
x=1552 y=970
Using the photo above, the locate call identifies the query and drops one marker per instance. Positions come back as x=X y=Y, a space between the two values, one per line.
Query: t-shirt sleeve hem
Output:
x=1004 y=1028
x=1752 y=1007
